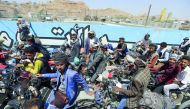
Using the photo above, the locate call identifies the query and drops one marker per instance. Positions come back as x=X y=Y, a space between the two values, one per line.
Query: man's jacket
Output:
x=71 y=81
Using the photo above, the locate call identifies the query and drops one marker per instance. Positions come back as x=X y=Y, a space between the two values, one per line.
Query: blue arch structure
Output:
x=112 y=32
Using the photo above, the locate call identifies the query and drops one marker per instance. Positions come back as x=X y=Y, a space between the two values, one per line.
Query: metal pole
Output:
x=148 y=15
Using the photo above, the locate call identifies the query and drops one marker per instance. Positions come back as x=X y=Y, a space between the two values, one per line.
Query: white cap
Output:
x=174 y=56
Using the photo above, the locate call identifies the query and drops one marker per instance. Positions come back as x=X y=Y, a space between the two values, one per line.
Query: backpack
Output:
x=46 y=67
x=45 y=52
x=42 y=50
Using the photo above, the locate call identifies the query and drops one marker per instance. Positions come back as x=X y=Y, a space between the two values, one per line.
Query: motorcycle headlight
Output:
x=33 y=90
x=18 y=90
x=2 y=87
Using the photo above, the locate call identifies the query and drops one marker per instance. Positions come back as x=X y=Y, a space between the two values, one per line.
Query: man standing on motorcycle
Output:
x=90 y=41
x=68 y=80
x=146 y=42
x=75 y=47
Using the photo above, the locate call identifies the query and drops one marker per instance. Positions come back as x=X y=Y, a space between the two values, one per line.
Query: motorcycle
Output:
x=181 y=97
x=18 y=88
x=104 y=98
x=185 y=105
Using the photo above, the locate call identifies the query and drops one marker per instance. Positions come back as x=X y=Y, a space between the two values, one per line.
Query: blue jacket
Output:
x=72 y=79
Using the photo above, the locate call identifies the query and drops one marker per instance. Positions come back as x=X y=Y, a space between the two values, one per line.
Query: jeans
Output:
x=123 y=103
x=169 y=103
x=168 y=87
x=99 y=97
x=159 y=89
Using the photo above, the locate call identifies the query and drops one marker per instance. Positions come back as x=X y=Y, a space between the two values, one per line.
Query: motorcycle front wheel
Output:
x=185 y=105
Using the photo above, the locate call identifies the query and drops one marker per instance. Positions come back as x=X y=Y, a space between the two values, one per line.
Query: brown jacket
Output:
x=136 y=87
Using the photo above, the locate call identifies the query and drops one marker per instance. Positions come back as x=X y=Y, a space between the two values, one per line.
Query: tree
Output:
x=153 y=18
x=87 y=18
x=170 y=15
x=103 y=19
x=95 y=18
x=163 y=15
x=186 y=22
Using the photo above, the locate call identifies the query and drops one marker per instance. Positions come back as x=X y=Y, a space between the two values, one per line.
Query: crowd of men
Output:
x=73 y=63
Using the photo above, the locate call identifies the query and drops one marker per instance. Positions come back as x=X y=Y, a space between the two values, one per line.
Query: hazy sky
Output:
x=179 y=8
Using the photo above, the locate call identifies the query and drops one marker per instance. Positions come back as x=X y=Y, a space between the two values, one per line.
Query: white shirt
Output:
x=92 y=41
x=165 y=55
x=185 y=44
x=62 y=86
x=184 y=77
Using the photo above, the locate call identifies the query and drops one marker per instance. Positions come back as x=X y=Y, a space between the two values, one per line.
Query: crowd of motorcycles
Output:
x=17 y=86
